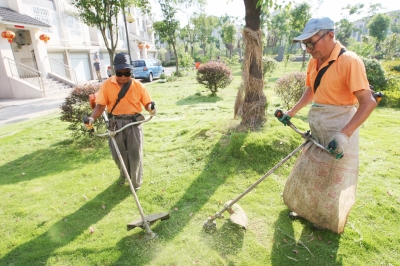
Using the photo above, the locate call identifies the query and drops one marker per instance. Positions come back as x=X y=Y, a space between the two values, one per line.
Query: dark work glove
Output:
x=88 y=122
x=284 y=119
x=338 y=144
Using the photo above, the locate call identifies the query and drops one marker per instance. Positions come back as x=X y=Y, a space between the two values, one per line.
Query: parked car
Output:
x=147 y=69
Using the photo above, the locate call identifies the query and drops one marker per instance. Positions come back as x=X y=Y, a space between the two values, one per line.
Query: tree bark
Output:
x=251 y=101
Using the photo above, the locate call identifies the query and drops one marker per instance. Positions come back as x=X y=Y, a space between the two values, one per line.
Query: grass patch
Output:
x=53 y=189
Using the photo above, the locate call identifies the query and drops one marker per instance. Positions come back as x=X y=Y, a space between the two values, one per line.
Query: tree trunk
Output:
x=176 y=59
x=251 y=101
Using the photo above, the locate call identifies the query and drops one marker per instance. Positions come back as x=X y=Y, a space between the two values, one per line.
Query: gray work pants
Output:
x=130 y=145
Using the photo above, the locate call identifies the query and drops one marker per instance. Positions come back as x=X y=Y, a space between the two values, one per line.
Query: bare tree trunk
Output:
x=251 y=101
x=176 y=60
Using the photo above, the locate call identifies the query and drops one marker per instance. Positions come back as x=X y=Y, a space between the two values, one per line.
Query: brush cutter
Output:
x=237 y=214
x=145 y=221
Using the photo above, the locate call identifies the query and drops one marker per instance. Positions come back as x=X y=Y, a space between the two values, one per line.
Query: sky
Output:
x=329 y=8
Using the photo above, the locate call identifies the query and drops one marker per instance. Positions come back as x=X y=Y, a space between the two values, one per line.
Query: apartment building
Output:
x=45 y=47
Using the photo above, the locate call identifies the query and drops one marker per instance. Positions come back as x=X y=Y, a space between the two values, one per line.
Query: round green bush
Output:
x=375 y=74
x=214 y=75
x=76 y=105
x=290 y=88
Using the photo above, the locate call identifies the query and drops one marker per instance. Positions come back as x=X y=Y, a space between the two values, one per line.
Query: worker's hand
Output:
x=151 y=107
x=284 y=119
x=338 y=144
x=88 y=121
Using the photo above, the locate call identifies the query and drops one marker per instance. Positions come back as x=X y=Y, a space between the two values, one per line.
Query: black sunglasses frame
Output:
x=126 y=74
x=311 y=45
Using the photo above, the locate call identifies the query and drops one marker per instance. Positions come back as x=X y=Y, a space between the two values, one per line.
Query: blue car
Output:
x=147 y=69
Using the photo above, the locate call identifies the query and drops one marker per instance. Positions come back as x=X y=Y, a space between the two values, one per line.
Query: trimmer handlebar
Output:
x=112 y=132
x=306 y=135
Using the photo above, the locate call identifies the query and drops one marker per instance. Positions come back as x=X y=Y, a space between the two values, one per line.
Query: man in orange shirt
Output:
x=321 y=187
x=130 y=140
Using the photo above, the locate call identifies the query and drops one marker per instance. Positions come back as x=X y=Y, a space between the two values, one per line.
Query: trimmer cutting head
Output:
x=152 y=218
x=238 y=216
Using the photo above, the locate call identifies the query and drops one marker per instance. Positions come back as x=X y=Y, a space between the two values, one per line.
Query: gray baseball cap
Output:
x=313 y=26
x=122 y=61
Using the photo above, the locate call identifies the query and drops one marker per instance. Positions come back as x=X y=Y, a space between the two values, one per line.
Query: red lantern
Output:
x=140 y=46
x=147 y=46
x=44 y=37
x=9 y=35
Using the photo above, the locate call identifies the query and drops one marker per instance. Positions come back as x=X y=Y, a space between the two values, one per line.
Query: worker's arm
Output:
x=97 y=111
x=305 y=99
x=367 y=104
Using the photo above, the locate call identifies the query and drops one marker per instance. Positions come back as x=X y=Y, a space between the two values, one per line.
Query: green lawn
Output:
x=54 y=189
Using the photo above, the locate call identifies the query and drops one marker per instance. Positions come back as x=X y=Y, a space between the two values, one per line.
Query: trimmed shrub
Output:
x=232 y=61
x=76 y=105
x=395 y=68
x=214 y=75
x=169 y=63
x=186 y=62
x=172 y=77
x=375 y=74
x=269 y=66
x=290 y=88
x=391 y=99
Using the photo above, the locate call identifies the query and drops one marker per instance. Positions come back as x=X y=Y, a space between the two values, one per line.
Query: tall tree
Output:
x=278 y=28
x=299 y=16
x=104 y=16
x=344 y=30
x=228 y=35
x=378 y=26
x=204 y=26
x=168 y=28
x=391 y=45
x=250 y=100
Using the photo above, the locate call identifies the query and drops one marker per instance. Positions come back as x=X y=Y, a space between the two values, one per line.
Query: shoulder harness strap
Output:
x=324 y=69
x=121 y=95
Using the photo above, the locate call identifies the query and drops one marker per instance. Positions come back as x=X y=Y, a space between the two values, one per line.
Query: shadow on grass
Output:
x=196 y=196
x=134 y=248
x=311 y=248
x=66 y=230
x=228 y=239
x=198 y=99
x=60 y=157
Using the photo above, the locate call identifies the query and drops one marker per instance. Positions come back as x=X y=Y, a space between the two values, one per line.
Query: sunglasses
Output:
x=311 y=45
x=120 y=74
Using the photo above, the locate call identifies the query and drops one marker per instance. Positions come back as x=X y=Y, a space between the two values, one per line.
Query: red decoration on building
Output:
x=44 y=37
x=147 y=46
x=140 y=45
x=9 y=35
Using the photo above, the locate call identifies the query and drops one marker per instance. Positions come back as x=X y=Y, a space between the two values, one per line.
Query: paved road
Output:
x=16 y=110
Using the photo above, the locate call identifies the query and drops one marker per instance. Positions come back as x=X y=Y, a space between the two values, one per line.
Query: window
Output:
x=73 y=25
x=121 y=33
x=43 y=15
x=138 y=63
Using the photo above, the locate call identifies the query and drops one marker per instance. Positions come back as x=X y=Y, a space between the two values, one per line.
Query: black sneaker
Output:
x=318 y=228
x=121 y=180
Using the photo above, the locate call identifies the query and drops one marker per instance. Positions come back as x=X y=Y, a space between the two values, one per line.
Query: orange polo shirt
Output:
x=136 y=96
x=344 y=77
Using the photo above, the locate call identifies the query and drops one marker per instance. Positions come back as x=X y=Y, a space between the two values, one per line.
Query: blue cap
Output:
x=122 y=61
x=313 y=26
